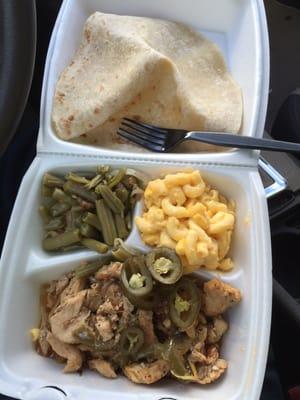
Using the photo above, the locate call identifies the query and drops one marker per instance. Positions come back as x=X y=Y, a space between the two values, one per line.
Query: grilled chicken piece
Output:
x=104 y=368
x=212 y=372
x=67 y=351
x=218 y=297
x=145 y=319
x=68 y=316
x=42 y=346
x=204 y=354
x=113 y=270
x=75 y=286
x=54 y=289
x=103 y=326
x=114 y=293
x=216 y=329
x=126 y=315
x=93 y=299
x=147 y=373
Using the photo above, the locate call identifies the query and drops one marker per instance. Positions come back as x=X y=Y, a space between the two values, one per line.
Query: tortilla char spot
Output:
x=154 y=87
x=117 y=76
x=111 y=119
x=66 y=123
x=60 y=97
x=90 y=125
x=87 y=33
x=97 y=110
x=71 y=117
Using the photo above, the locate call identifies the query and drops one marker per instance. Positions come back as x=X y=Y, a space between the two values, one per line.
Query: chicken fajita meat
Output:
x=120 y=319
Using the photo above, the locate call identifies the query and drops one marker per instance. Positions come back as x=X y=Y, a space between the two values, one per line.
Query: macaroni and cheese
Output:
x=184 y=213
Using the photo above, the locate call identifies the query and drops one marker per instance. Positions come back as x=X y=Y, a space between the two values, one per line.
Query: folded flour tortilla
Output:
x=158 y=71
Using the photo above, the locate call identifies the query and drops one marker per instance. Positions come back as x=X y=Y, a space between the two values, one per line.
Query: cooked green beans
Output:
x=107 y=222
x=88 y=209
x=46 y=191
x=95 y=245
x=61 y=240
x=89 y=231
x=77 y=178
x=44 y=213
x=117 y=178
x=59 y=209
x=52 y=181
x=88 y=269
x=92 y=220
x=79 y=190
x=55 y=224
x=111 y=200
x=121 y=226
x=60 y=196
x=122 y=194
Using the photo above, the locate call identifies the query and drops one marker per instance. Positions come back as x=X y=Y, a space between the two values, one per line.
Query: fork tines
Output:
x=148 y=136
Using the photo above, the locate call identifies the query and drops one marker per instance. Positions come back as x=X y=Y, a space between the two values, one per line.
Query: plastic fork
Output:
x=162 y=139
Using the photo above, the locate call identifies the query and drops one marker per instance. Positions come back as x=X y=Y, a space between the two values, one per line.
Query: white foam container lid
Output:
x=239 y=27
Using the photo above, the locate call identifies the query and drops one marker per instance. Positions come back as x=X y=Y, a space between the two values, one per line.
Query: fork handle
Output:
x=243 y=142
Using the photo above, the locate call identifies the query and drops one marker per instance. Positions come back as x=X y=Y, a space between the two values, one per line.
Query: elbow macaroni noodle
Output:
x=185 y=214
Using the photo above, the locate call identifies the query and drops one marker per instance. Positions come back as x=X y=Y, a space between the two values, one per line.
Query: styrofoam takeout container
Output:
x=239 y=27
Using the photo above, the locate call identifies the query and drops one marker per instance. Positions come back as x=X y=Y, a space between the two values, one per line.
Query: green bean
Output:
x=103 y=169
x=59 y=209
x=78 y=221
x=73 y=247
x=61 y=240
x=54 y=224
x=44 y=214
x=111 y=200
x=117 y=178
x=94 y=182
x=95 y=245
x=121 y=226
x=46 y=191
x=79 y=190
x=52 y=181
x=88 y=269
x=129 y=181
x=48 y=202
x=51 y=234
x=122 y=194
x=109 y=231
x=88 y=231
x=72 y=216
x=77 y=178
x=61 y=197
x=93 y=220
